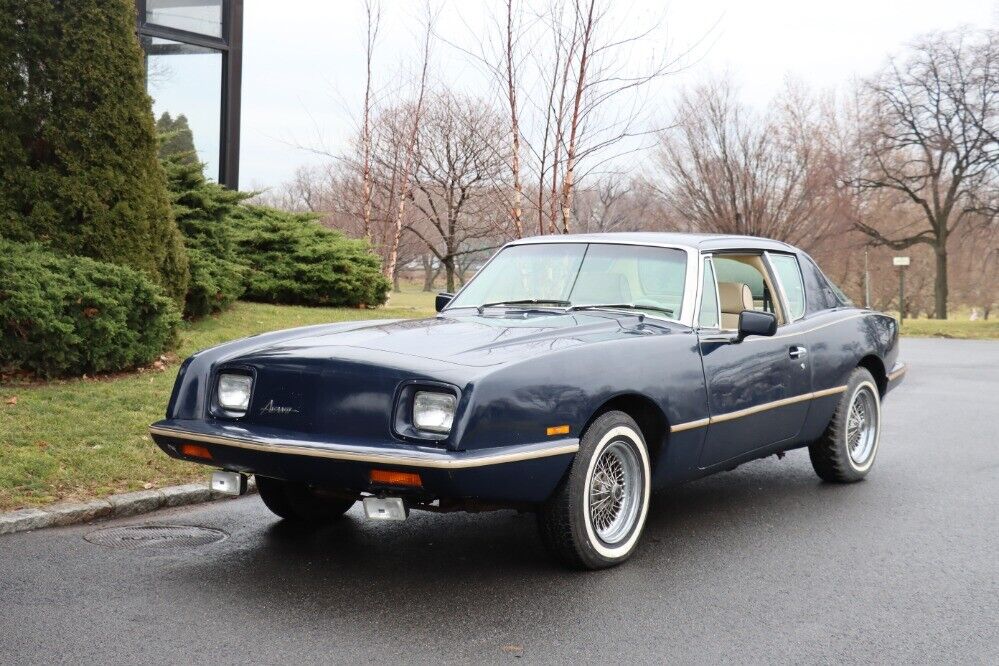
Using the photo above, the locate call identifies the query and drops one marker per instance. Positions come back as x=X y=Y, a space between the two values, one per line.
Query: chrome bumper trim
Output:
x=442 y=460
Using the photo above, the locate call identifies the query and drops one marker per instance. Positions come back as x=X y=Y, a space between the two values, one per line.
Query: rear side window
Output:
x=790 y=278
x=840 y=295
x=823 y=294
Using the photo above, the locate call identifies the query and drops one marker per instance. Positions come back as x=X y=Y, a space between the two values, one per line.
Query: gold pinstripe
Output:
x=689 y=425
x=729 y=416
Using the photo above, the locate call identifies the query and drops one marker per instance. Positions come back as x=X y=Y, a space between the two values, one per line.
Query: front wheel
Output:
x=300 y=502
x=596 y=517
x=846 y=452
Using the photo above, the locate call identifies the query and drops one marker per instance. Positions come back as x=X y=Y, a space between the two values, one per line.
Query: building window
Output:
x=185 y=82
x=203 y=17
x=193 y=73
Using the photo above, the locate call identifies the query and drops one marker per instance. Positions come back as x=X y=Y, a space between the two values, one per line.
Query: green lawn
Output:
x=82 y=438
x=952 y=328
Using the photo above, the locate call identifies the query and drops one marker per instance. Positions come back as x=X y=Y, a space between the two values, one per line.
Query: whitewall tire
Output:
x=596 y=517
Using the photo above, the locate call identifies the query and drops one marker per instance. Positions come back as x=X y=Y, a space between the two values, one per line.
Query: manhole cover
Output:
x=156 y=536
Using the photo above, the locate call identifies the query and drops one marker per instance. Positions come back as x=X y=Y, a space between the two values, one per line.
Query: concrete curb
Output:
x=115 y=506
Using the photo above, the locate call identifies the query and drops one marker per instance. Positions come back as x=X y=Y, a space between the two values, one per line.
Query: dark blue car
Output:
x=571 y=377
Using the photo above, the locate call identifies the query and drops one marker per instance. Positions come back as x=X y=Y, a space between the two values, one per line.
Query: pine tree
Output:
x=78 y=150
x=176 y=137
x=202 y=209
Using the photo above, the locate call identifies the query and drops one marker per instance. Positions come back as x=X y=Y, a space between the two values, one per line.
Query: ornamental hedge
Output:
x=64 y=315
x=78 y=148
x=201 y=209
x=294 y=259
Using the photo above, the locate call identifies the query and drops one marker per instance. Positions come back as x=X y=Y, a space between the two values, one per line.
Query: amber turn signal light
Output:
x=558 y=430
x=195 y=451
x=390 y=478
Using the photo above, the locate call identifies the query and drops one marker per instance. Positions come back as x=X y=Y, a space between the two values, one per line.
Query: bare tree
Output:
x=431 y=269
x=977 y=259
x=575 y=96
x=729 y=171
x=588 y=18
x=457 y=176
x=597 y=109
x=391 y=128
x=405 y=177
x=372 y=13
x=511 y=87
x=305 y=192
x=933 y=136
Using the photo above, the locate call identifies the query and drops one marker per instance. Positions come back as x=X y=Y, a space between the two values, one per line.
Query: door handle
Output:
x=797 y=351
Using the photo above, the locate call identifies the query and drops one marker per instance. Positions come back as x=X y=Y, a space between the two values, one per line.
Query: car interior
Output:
x=744 y=284
x=603 y=287
x=649 y=280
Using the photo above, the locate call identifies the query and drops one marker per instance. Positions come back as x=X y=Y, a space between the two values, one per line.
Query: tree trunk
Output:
x=407 y=174
x=517 y=212
x=568 y=180
x=940 y=285
x=428 y=274
x=567 y=185
x=449 y=272
x=514 y=124
x=366 y=131
x=393 y=255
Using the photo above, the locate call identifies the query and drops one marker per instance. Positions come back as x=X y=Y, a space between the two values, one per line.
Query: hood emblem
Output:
x=271 y=408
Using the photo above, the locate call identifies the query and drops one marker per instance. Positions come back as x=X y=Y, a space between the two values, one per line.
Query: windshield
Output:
x=580 y=274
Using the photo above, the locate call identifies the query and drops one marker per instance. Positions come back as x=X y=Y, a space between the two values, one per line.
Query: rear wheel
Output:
x=300 y=502
x=846 y=451
x=596 y=517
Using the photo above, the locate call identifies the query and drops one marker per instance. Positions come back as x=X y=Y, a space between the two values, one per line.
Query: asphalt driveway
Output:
x=763 y=564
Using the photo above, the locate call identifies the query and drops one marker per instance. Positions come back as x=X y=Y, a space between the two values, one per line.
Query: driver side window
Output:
x=743 y=284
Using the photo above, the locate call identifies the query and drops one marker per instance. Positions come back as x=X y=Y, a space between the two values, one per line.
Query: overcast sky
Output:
x=303 y=59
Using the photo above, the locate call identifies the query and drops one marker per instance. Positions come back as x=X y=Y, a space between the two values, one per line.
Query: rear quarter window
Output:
x=822 y=294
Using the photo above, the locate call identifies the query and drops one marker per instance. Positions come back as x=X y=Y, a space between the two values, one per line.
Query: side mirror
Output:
x=754 y=322
x=442 y=300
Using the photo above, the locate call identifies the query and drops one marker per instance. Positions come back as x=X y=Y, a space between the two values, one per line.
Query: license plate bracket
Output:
x=385 y=508
x=229 y=483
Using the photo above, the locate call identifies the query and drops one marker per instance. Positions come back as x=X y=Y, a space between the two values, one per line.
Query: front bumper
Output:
x=522 y=473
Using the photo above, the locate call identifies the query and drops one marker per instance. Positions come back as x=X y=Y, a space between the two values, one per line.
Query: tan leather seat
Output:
x=735 y=297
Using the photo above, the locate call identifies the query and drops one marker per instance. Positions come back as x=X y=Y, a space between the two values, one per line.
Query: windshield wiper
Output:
x=623 y=306
x=526 y=301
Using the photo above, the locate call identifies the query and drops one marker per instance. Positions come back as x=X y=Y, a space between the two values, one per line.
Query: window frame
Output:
x=707 y=257
x=230 y=45
x=180 y=35
x=780 y=306
x=775 y=276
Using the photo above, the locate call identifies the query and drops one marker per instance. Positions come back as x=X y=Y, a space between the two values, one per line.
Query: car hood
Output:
x=469 y=340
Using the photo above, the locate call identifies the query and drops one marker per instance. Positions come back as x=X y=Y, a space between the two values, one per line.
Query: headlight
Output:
x=234 y=392
x=433 y=412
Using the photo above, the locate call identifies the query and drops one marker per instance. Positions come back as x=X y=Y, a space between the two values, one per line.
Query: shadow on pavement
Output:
x=439 y=568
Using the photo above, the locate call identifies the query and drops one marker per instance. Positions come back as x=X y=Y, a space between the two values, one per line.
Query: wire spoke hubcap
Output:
x=615 y=490
x=862 y=426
